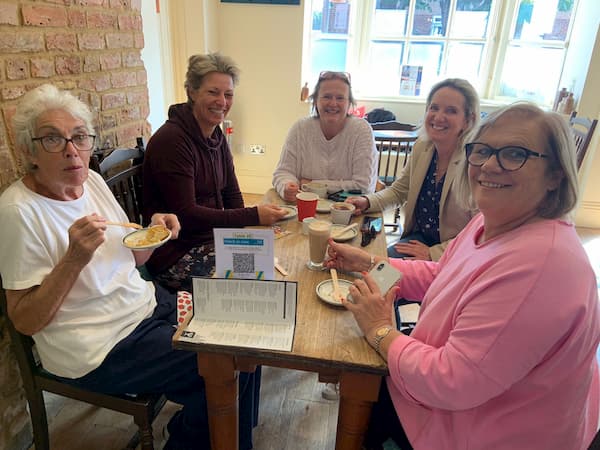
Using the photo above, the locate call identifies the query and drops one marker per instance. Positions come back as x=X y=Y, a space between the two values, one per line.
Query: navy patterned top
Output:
x=427 y=209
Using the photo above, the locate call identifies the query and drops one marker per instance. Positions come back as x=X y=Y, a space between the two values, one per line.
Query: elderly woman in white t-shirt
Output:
x=73 y=286
x=331 y=147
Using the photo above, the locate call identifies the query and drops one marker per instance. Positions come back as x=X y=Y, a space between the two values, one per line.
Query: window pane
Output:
x=542 y=67
x=464 y=60
x=390 y=18
x=547 y=20
x=471 y=19
x=431 y=18
x=383 y=73
x=428 y=55
x=327 y=54
x=331 y=16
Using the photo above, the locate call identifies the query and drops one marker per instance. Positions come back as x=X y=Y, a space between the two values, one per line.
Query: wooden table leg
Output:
x=358 y=392
x=221 y=381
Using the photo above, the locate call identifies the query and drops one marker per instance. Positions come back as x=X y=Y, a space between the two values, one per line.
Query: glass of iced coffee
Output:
x=318 y=235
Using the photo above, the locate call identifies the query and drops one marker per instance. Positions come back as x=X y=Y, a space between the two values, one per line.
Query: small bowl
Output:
x=139 y=239
x=325 y=291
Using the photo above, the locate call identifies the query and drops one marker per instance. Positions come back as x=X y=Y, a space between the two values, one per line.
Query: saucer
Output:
x=325 y=291
x=292 y=211
x=323 y=205
x=346 y=236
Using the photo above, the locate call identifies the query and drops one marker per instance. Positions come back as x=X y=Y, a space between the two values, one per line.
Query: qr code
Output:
x=243 y=263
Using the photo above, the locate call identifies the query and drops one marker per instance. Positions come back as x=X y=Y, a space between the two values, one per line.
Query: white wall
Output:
x=152 y=63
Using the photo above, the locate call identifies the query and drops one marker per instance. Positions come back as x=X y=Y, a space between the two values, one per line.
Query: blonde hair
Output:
x=201 y=65
x=471 y=107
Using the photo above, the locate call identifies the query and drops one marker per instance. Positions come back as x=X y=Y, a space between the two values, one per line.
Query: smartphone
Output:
x=370 y=221
x=385 y=275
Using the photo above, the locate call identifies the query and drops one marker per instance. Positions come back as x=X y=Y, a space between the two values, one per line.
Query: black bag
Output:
x=380 y=115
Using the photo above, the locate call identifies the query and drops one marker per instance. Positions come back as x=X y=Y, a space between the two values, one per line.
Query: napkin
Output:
x=185 y=306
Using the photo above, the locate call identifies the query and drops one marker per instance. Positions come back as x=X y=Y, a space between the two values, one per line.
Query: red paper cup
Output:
x=307 y=204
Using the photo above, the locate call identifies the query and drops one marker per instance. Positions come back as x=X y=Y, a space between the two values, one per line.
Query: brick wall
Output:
x=93 y=48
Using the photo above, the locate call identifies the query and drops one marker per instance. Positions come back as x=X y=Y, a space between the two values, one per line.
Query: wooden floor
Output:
x=293 y=415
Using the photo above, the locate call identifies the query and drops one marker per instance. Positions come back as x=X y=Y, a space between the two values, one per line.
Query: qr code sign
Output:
x=243 y=263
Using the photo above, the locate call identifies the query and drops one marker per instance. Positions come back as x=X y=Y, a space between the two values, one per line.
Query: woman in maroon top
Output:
x=188 y=170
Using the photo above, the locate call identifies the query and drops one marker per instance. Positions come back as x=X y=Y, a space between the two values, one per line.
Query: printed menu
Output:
x=242 y=313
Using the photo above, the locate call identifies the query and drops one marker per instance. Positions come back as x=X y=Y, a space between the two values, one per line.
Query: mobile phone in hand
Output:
x=385 y=275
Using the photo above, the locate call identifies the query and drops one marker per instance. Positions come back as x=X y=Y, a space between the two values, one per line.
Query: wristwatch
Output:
x=379 y=335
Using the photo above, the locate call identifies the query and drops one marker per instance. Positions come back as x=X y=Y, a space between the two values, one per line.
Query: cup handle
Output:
x=304 y=188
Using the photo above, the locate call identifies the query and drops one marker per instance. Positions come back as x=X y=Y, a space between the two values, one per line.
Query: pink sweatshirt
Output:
x=504 y=353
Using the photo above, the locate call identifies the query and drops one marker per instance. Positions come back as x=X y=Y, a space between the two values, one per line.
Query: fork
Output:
x=125 y=224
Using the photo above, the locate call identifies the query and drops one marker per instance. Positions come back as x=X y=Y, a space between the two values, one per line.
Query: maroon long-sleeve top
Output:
x=194 y=178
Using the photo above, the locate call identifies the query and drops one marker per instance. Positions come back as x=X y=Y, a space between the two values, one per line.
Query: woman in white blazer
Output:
x=433 y=213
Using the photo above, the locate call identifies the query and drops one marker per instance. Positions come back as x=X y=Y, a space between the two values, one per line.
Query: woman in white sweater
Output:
x=331 y=147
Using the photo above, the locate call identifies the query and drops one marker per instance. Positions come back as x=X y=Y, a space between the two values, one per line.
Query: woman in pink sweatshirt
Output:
x=504 y=352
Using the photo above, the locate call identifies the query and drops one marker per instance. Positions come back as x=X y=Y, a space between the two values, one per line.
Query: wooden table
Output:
x=327 y=341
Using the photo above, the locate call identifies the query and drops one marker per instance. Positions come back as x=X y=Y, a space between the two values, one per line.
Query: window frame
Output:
x=496 y=43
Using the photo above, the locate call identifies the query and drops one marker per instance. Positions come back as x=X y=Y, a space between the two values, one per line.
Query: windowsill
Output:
x=484 y=103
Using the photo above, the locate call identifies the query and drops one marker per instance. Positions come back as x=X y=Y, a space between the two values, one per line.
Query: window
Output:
x=510 y=49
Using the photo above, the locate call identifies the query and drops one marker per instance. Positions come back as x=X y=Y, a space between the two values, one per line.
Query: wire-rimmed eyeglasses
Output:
x=332 y=75
x=510 y=158
x=56 y=144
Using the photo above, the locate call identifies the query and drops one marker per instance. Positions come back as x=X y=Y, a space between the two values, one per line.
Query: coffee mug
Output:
x=307 y=204
x=318 y=188
x=318 y=237
x=341 y=212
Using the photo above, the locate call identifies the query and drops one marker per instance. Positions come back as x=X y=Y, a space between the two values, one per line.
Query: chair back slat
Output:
x=122 y=171
x=583 y=130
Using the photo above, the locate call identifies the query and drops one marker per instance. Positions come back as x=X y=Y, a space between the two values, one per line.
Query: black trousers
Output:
x=385 y=424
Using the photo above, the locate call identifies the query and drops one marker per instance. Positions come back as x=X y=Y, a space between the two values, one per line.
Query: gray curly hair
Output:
x=36 y=102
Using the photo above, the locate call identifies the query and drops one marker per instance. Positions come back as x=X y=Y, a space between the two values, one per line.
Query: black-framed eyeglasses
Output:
x=56 y=144
x=332 y=75
x=510 y=158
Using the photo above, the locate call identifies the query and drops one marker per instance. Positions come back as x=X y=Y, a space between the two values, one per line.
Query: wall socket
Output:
x=257 y=149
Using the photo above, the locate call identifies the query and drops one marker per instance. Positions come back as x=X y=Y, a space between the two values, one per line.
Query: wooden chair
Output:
x=393 y=140
x=583 y=129
x=122 y=170
x=143 y=408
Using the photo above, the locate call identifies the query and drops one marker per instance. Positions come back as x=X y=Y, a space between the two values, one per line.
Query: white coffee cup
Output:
x=305 y=223
x=318 y=188
x=341 y=212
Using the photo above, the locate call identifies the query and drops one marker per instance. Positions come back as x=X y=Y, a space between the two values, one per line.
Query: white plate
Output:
x=346 y=236
x=292 y=211
x=325 y=291
x=132 y=240
x=323 y=205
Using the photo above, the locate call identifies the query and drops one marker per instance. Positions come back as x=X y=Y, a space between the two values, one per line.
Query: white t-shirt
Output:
x=109 y=298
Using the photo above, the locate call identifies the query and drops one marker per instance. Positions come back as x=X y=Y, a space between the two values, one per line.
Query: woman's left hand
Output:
x=416 y=250
x=370 y=308
x=168 y=220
